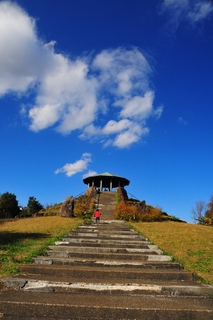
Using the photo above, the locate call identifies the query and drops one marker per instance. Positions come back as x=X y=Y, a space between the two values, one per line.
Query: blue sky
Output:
x=122 y=86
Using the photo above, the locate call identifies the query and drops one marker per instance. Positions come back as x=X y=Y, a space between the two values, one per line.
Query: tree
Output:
x=8 y=205
x=33 y=206
x=209 y=212
x=198 y=211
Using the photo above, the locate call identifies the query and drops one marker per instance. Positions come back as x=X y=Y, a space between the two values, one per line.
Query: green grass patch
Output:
x=23 y=239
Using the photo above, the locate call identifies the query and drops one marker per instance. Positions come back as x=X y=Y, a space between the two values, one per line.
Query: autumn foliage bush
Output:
x=84 y=205
x=125 y=211
x=208 y=219
x=130 y=211
x=80 y=205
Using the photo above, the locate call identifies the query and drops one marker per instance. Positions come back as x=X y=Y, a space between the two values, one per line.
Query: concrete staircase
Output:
x=106 y=202
x=105 y=271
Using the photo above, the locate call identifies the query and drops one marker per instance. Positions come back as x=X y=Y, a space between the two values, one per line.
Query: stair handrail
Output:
x=132 y=196
x=90 y=198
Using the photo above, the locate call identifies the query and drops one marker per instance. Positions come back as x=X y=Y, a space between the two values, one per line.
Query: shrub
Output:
x=80 y=206
x=127 y=212
x=130 y=212
x=206 y=221
x=85 y=205
x=23 y=213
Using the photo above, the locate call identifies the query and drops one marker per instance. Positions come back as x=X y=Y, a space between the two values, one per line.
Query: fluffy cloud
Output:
x=137 y=106
x=123 y=133
x=123 y=72
x=18 y=43
x=72 y=168
x=89 y=174
x=132 y=135
x=191 y=10
x=106 y=97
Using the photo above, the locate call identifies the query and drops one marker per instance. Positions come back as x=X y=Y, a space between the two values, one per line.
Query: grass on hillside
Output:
x=52 y=210
x=191 y=245
x=22 y=239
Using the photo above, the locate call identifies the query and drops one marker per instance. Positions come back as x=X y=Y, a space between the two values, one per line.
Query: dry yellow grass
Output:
x=189 y=244
x=48 y=225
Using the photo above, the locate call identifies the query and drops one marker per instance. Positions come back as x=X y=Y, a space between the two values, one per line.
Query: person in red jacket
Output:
x=97 y=215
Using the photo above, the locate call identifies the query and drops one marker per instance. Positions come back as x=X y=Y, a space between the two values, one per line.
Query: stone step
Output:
x=152 y=249
x=99 y=229
x=40 y=305
x=41 y=284
x=102 y=226
x=63 y=278
x=107 y=235
x=65 y=256
x=78 y=261
x=124 y=245
x=119 y=273
x=105 y=240
x=131 y=242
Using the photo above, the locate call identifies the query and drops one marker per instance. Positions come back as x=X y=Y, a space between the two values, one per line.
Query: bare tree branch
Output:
x=198 y=211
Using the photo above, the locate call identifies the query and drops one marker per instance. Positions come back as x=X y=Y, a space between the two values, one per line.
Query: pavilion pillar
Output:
x=88 y=185
x=101 y=185
x=110 y=186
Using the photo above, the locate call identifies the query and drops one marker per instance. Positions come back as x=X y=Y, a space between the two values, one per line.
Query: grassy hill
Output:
x=21 y=239
x=189 y=244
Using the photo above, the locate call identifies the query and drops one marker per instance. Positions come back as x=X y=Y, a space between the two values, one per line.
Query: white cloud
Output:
x=120 y=134
x=182 y=121
x=43 y=117
x=132 y=135
x=123 y=71
x=111 y=89
x=70 y=95
x=137 y=107
x=72 y=168
x=17 y=38
x=114 y=127
x=89 y=174
x=125 y=76
x=200 y=11
x=158 y=111
x=126 y=133
x=192 y=11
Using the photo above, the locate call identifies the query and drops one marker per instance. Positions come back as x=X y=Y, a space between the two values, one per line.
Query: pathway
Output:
x=105 y=271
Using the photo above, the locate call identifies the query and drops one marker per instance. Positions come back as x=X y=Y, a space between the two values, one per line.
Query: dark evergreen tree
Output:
x=8 y=205
x=33 y=206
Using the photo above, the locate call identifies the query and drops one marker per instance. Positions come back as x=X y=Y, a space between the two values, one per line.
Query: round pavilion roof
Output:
x=106 y=178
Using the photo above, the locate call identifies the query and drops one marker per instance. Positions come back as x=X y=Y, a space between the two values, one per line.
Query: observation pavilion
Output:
x=106 y=180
